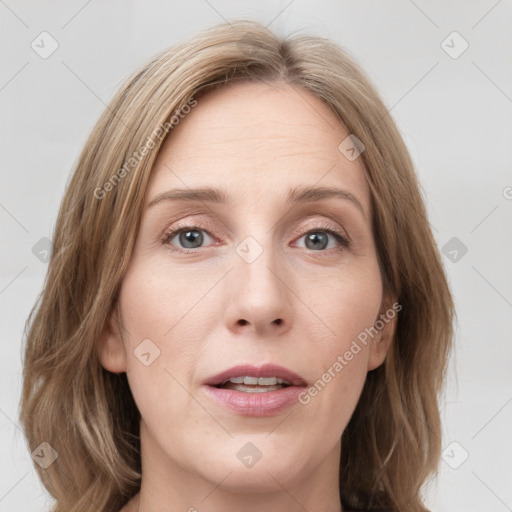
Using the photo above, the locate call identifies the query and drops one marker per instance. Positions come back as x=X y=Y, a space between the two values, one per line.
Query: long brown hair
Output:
x=87 y=414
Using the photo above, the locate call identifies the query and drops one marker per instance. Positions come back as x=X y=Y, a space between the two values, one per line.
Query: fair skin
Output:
x=300 y=305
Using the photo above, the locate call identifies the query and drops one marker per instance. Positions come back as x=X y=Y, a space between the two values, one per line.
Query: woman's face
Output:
x=263 y=281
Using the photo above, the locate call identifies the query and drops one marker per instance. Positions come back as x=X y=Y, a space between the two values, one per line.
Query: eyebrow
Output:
x=297 y=195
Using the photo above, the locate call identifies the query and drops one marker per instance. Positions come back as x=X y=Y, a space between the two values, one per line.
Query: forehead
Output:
x=262 y=139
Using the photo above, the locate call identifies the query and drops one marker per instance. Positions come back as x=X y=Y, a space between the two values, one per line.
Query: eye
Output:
x=187 y=237
x=318 y=238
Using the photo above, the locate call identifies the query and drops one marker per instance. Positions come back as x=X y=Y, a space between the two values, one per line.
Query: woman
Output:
x=245 y=307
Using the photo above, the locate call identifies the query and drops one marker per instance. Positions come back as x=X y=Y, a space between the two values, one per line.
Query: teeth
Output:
x=270 y=381
x=257 y=381
x=254 y=389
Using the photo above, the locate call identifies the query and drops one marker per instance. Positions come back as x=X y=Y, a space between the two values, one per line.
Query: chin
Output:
x=260 y=471
x=257 y=480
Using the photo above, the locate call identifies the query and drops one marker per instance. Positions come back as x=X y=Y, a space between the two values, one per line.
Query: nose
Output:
x=261 y=296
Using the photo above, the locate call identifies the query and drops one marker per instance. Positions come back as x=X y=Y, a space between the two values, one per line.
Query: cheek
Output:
x=348 y=306
x=160 y=341
x=165 y=303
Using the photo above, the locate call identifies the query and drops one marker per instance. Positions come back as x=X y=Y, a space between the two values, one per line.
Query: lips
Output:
x=255 y=391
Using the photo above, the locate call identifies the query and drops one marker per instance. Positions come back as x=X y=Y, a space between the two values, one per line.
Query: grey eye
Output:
x=190 y=238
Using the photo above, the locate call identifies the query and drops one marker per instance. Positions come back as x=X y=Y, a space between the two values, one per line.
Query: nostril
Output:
x=242 y=321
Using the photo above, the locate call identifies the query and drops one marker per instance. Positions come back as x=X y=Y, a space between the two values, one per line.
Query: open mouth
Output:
x=247 y=384
x=256 y=391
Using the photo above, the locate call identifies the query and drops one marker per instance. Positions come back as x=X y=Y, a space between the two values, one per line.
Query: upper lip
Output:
x=266 y=370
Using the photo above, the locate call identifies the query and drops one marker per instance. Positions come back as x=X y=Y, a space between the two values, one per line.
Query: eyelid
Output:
x=326 y=225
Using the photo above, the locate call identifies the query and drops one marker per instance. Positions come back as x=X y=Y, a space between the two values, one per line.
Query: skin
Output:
x=256 y=141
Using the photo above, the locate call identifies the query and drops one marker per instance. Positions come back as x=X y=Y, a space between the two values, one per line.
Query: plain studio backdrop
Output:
x=444 y=71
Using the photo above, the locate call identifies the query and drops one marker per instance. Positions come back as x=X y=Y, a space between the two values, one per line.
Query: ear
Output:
x=385 y=325
x=111 y=350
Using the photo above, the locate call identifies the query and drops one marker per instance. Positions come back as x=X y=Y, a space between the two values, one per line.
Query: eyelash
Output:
x=319 y=226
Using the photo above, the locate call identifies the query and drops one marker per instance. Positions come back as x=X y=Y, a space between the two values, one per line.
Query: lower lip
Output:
x=267 y=403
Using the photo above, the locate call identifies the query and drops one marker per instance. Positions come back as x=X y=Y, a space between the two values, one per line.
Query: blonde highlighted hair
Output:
x=392 y=443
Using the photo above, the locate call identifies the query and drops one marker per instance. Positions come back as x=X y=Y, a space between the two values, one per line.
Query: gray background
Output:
x=454 y=114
